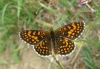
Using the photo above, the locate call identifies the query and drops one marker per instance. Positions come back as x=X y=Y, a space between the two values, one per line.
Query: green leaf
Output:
x=48 y=8
x=2 y=61
x=89 y=63
x=2 y=47
x=64 y=17
x=88 y=57
x=3 y=12
x=15 y=52
x=86 y=52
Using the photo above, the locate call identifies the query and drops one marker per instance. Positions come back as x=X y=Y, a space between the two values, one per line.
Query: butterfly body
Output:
x=58 y=42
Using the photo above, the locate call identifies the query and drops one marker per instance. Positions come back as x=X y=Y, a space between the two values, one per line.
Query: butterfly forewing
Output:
x=70 y=31
x=33 y=37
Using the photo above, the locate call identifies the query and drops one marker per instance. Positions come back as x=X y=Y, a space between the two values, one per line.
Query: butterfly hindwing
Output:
x=44 y=47
x=64 y=45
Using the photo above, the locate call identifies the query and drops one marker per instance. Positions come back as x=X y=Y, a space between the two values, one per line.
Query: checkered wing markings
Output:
x=65 y=46
x=71 y=31
x=44 y=47
x=33 y=37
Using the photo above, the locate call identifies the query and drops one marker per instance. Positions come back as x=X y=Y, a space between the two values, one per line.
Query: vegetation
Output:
x=18 y=15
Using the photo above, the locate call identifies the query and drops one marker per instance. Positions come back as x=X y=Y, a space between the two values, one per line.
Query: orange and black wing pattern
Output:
x=33 y=37
x=65 y=36
x=39 y=39
x=44 y=47
x=62 y=37
x=70 y=31
x=64 y=46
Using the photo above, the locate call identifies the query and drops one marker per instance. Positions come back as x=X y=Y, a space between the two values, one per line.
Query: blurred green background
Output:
x=18 y=15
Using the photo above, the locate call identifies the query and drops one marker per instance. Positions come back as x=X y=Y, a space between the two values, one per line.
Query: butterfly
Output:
x=57 y=42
